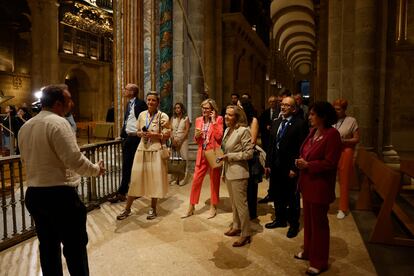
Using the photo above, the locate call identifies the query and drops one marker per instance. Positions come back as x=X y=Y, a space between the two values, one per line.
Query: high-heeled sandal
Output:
x=213 y=213
x=314 y=271
x=189 y=213
x=300 y=256
x=242 y=241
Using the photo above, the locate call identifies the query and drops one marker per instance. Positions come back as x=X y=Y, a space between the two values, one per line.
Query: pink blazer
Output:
x=317 y=182
x=214 y=134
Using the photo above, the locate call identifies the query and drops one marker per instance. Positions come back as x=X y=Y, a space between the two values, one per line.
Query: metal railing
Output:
x=17 y=224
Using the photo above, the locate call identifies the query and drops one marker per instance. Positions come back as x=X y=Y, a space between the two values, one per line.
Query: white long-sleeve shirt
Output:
x=50 y=153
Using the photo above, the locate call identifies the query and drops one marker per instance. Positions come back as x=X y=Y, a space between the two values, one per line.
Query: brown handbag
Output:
x=212 y=155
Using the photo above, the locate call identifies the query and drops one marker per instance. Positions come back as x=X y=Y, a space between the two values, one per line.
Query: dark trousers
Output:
x=316 y=234
x=129 y=147
x=287 y=209
x=283 y=191
x=60 y=218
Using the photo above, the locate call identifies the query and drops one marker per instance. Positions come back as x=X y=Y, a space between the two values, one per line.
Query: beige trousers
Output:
x=238 y=198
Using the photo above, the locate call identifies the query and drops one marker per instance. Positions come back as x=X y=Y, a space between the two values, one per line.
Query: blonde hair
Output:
x=212 y=104
x=241 y=118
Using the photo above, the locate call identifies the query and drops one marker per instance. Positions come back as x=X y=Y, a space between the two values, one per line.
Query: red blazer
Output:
x=215 y=135
x=317 y=182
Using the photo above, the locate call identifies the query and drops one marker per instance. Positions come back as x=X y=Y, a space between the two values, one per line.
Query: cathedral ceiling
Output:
x=293 y=30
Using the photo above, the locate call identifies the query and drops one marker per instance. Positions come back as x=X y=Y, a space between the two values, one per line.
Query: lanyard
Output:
x=205 y=130
x=147 y=124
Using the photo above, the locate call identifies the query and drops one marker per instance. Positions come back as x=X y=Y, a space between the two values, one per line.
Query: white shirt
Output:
x=50 y=153
x=131 y=124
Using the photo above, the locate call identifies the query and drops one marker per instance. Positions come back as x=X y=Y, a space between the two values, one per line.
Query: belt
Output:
x=132 y=134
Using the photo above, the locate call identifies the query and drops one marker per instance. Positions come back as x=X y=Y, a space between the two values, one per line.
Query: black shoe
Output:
x=266 y=199
x=275 y=224
x=117 y=198
x=292 y=232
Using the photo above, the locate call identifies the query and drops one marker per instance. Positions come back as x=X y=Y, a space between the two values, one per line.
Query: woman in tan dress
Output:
x=149 y=173
x=180 y=126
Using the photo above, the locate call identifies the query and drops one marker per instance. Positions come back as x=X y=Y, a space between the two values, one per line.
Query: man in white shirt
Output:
x=130 y=140
x=53 y=164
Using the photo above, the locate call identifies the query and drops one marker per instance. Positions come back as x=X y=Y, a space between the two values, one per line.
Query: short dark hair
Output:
x=235 y=94
x=325 y=111
x=155 y=94
x=53 y=93
x=248 y=110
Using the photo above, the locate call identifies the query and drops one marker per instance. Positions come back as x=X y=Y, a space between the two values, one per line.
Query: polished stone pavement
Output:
x=170 y=245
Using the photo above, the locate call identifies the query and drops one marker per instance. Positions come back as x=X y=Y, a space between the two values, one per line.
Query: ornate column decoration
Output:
x=166 y=53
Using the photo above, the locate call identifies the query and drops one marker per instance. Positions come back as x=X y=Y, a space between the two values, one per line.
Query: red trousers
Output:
x=345 y=172
x=316 y=234
x=199 y=174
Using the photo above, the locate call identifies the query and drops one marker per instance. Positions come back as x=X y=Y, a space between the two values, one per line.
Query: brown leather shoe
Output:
x=242 y=241
x=117 y=198
x=233 y=232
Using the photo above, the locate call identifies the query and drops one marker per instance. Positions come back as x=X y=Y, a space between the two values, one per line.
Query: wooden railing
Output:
x=17 y=224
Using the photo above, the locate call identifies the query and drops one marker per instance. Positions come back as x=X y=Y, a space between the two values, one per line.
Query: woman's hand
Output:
x=213 y=116
x=197 y=133
x=301 y=163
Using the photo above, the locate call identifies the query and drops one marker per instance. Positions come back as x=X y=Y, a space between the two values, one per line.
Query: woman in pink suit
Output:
x=208 y=135
x=319 y=157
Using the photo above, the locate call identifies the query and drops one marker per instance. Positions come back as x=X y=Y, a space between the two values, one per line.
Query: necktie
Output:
x=281 y=130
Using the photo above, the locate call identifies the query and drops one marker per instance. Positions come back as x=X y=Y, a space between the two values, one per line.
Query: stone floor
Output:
x=170 y=245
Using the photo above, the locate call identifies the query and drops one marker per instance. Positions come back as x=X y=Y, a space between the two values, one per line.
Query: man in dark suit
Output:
x=286 y=136
x=130 y=140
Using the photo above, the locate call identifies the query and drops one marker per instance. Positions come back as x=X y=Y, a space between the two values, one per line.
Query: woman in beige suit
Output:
x=238 y=148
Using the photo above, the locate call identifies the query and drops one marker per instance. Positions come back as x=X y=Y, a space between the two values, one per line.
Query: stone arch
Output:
x=79 y=84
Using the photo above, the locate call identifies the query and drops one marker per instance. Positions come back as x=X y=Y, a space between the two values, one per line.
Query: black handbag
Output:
x=176 y=164
x=256 y=167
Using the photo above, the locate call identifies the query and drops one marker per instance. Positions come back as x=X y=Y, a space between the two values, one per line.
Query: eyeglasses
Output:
x=206 y=108
x=286 y=105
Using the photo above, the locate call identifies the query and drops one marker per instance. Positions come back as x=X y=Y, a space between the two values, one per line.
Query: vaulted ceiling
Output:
x=293 y=30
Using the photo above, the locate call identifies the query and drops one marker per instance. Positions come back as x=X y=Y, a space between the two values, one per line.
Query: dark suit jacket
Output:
x=317 y=182
x=264 y=121
x=140 y=106
x=281 y=160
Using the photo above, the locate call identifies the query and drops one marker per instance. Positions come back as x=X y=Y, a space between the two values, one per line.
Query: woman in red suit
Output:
x=208 y=135
x=319 y=157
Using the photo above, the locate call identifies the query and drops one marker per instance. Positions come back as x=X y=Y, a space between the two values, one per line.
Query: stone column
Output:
x=45 y=42
x=364 y=81
x=128 y=52
x=334 y=82
x=385 y=111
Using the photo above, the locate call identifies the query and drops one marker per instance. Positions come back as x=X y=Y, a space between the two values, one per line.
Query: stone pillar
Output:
x=128 y=52
x=385 y=111
x=334 y=83
x=364 y=70
x=196 y=21
x=45 y=43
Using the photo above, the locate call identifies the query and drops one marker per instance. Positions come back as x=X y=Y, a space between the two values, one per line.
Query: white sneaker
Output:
x=341 y=214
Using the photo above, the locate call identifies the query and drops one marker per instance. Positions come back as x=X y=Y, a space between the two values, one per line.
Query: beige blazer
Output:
x=239 y=148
